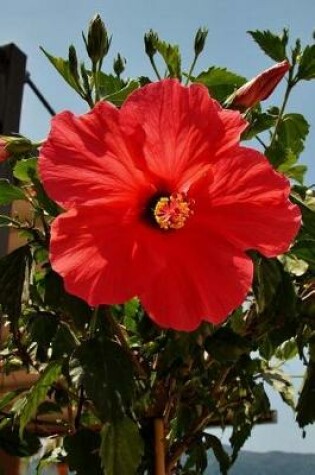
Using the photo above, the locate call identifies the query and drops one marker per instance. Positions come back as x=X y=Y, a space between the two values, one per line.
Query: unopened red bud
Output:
x=4 y=154
x=260 y=87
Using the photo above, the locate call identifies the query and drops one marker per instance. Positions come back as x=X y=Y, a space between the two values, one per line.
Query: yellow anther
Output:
x=172 y=212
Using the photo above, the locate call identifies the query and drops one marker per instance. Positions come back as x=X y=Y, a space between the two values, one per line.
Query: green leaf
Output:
x=292 y=132
x=108 y=84
x=258 y=122
x=38 y=393
x=43 y=199
x=275 y=292
x=220 y=82
x=9 y=398
x=6 y=221
x=305 y=249
x=43 y=328
x=306 y=68
x=107 y=376
x=171 y=55
x=82 y=452
x=225 y=345
x=293 y=265
x=9 y=193
x=12 y=276
x=58 y=299
x=63 y=69
x=121 y=447
x=273 y=45
x=117 y=98
x=64 y=342
x=25 y=169
x=281 y=383
x=308 y=215
x=219 y=452
x=287 y=350
x=295 y=172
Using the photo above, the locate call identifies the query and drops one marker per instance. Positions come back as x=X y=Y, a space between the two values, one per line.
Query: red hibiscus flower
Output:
x=162 y=203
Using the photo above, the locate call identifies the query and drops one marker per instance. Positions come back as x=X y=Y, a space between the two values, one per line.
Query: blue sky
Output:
x=54 y=25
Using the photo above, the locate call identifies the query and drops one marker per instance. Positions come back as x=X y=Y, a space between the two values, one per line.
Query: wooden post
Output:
x=12 y=79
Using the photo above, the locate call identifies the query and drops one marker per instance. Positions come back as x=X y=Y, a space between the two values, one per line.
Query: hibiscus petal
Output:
x=90 y=155
x=182 y=127
x=95 y=248
x=249 y=204
x=234 y=124
x=204 y=279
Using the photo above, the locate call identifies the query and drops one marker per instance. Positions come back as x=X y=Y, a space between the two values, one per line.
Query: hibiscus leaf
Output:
x=296 y=172
x=58 y=299
x=273 y=45
x=25 y=169
x=306 y=69
x=225 y=345
x=121 y=447
x=171 y=55
x=308 y=215
x=82 y=452
x=43 y=199
x=7 y=221
x=12 y=275
x=258 y=122
x=219 y=452
x=117 y=98
x=63 y=69
x=292 y=132
x=281 y=383
x=108 y=84
x=107 y=376
x=305 y=249
x=9 y=193
x=220 y=82
x=27 y=409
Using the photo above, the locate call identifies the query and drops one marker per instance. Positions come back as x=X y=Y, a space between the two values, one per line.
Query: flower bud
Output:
x=150 y=40
x=260 y=87
x=4 y=154
x=98 y=42
x=200 y=40
x=73 y=64
x=119 y=65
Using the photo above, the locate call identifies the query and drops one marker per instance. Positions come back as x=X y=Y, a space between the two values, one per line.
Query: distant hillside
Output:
x=269 y=463
x=254 y=463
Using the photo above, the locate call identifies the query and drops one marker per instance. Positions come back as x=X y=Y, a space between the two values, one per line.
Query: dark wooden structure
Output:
x=12 y=79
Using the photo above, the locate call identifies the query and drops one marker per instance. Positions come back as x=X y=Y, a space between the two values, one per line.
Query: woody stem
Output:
x=159 y=449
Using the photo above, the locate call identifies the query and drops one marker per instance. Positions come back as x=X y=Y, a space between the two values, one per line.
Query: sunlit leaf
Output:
x=306 y=68
x=273 y=45
x=38 y=393
x=220 y=82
